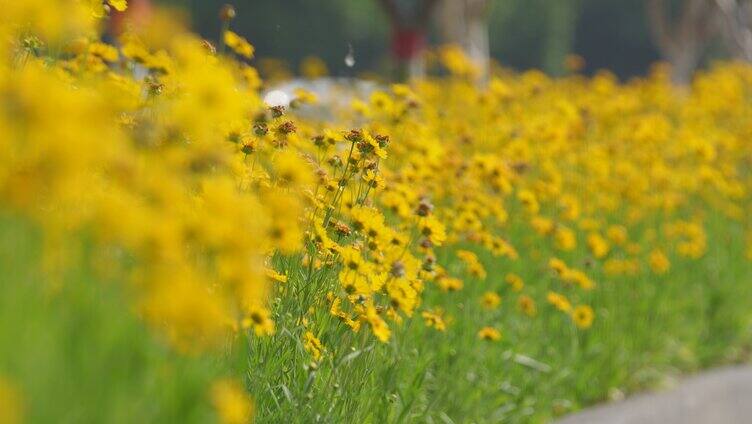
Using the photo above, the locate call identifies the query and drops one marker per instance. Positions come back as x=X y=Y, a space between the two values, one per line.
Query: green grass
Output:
x=78 y=353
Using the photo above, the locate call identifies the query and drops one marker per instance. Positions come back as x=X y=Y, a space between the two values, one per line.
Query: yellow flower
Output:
x=285 y=232
x=565 y=238
x=434 y=319
x=303 y=96
x=449 y=284
x=558 y=266
x=542 y=226
x=368 y=220
x=559 y=301
x=515 y=282
x=490 y=334
x=471 y=261
x=659 y=262
x=191 y=316
x=259 y=319
x=433 y=229
x=598 y=245
x=617 y=234
x=575 y=276
x=374 y=144
x=527 y=305
x=231 y=402
x=402 y=294
x=292 y=171
x=490 y=300
x=378 y=325
x=119 y=5
x=402 y=90
x=275 y=276
x=313 y=345
x=583 y=316
x=238 y=44
x=529 y=201
x=455 y=60
x=351 y=258
x=104 y=51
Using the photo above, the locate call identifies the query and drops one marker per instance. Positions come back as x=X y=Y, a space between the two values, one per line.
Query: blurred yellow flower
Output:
x=583 y=316
x=659 y=262
x=526 y=304
x=231 y=402
x=313 y=345
x=490 y=300
x=559 y=301
x=11 y=404
x=238 y=44
x=490 y=334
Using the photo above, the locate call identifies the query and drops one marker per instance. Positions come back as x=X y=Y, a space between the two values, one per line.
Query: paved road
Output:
x=723 y=396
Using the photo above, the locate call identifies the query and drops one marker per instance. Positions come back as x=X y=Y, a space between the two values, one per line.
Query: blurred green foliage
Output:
x=78 y=354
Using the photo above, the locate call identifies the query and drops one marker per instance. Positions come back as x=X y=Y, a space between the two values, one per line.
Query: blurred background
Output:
x=383 y=37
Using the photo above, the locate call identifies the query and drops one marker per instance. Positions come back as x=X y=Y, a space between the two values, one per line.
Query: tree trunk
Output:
x=737 y=27
x=682 y=42
x=683 y=64
x=409 y=22
x=465 y=23
x=562 y=24
x=478 y=46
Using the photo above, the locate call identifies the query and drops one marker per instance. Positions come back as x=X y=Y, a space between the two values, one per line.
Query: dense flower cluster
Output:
x=211 y=204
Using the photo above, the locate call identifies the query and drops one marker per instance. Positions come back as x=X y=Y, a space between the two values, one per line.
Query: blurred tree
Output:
x=293 y=30
x=409 y=21
x=623 y=46
x=562 y=16
x=737 y=27
x=465 y=23
x=516 y=29
x=522 y=34
x=681 y=32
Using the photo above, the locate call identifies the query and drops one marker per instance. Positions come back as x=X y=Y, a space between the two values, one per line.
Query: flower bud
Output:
x=227 y=13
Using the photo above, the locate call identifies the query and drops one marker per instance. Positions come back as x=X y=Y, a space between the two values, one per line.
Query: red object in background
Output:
x=407 y=43
x=137 y=13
